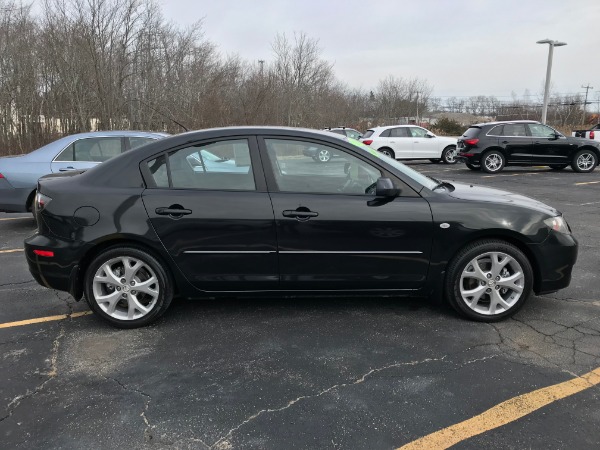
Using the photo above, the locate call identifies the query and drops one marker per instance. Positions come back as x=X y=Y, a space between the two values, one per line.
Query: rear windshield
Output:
x=368 y=134
x=471 y=132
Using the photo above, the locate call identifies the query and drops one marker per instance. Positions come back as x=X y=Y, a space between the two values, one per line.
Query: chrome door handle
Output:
x=66 y=169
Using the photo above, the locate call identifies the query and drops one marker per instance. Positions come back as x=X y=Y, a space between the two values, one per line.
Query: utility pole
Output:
x=587 y=88
x=262 y=64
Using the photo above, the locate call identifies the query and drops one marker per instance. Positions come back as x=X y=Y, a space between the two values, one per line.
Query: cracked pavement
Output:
x=359 y=373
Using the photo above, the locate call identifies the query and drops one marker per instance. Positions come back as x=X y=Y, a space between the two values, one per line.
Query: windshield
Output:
x=409 y=172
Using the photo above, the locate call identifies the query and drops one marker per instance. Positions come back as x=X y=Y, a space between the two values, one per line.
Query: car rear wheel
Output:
x=127 y=287
x=492 y=162
x=449 y=155
x=489 y=280
x=558 y=166
x=472 y=166
x=323 y=155
x=584 y=161
x=387 y=152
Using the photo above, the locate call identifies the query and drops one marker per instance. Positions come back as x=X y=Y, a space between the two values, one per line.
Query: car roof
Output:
x=395 y=126
x=483 y=124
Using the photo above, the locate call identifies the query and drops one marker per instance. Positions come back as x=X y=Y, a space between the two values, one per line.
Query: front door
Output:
x=332 y=233
x=547 y=147
x=209 y=206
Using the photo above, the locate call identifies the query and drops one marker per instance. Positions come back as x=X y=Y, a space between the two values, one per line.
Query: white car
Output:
x=411 y=142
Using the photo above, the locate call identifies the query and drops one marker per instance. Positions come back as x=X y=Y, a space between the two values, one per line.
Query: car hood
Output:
x=485 y=194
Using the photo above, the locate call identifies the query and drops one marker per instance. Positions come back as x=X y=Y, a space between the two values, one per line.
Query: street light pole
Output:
x=552 y=44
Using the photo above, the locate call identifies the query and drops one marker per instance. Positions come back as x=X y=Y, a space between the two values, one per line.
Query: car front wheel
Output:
x=584 y=161
x=489 y=280
x=323 y=156
x=127 y=287
x=492 y=162
x=449 y=155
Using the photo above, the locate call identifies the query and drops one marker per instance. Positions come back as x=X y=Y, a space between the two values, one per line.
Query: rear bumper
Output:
x=555 y=257
x=60 y=272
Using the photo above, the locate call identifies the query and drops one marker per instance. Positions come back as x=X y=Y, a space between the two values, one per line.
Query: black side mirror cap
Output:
x=385 y=188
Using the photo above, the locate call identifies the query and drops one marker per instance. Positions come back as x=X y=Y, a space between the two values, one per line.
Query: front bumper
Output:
x=555 y=258
x=13 y=200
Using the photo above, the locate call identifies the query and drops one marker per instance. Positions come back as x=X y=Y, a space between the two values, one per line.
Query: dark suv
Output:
x=492 y=146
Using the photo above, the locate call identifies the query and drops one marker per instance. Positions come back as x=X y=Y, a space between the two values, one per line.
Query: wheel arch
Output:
x=121 y=241
x=385 y=147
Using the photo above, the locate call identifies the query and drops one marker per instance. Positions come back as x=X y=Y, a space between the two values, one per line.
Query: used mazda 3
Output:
x=153 y=223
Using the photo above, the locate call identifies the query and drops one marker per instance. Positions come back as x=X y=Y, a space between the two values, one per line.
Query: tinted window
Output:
x=471 y=133
x=352 y=134
x=385 y=133
x=96 y=149
x=223 y=165
x=514 y=129
x=399 y=132
x=158 y=170
x=496 y=131
x=418 y=132
x=539 y=130
x=368 y=134
x=135 y=142
x=66 y=154
x=296 y=171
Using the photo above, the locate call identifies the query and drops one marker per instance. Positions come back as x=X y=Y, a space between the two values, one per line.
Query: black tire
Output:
x=435 y=161
x=387 y=152
x=492 y=161
x=472 y=166
x=150 y=264
x=464 y=261
x=323 y=156
x=584 y=161
x=449 y=155
x=557 y=166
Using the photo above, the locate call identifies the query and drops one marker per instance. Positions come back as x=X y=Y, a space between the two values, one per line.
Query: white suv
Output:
x=411 y=142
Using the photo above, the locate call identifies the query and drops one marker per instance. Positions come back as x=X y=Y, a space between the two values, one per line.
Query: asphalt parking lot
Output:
x=351 y=373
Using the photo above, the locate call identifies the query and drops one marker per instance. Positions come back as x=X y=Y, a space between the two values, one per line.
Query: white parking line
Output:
x=12 y=250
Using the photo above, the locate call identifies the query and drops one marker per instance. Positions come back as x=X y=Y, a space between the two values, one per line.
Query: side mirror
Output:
x=385 y=188
x=429 y=135
x=557 y=135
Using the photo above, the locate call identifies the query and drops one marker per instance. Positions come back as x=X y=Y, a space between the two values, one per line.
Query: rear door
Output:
x=209 y=206
x=423 y=146
x=516 y=142
x=400 y=141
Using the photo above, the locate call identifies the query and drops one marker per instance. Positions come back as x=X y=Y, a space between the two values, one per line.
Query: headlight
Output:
x=559 y=224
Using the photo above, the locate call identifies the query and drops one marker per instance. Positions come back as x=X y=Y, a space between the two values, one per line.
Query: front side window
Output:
x=418 y=132
x=515 y=129
x=539 y=130
x=223 y=165
x=296 y=170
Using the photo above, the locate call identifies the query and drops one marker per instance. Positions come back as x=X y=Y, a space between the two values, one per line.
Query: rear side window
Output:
x=223 y=165
x=399 y=132
x=135 y=142
x=515 y=129
x=369 y=133
x=496 y=131
x=385 y=133
x=471 y=133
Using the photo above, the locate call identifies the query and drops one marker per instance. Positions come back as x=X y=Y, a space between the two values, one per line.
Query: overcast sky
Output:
x=462 y=47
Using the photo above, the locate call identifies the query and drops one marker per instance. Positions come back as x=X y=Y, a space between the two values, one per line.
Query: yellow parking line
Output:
x=16 y=218
x=21 y=323
x=12 y=250
x=587 y=182
x=504 y=413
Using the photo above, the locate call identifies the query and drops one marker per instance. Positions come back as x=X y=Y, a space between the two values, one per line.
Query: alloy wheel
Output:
x=324 y=155
x=586 y=161
x=126 y=288
x=492 y=283
x=450 y=155
x=493 y=162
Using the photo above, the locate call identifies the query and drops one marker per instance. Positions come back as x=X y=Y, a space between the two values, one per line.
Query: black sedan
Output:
x=153 y=223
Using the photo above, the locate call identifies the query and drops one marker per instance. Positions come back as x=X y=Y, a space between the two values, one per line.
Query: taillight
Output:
x=367 y=141
x=592 y=135
x=471 y=141
x=1 y=176
x=44 y=253
x=41 y=201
